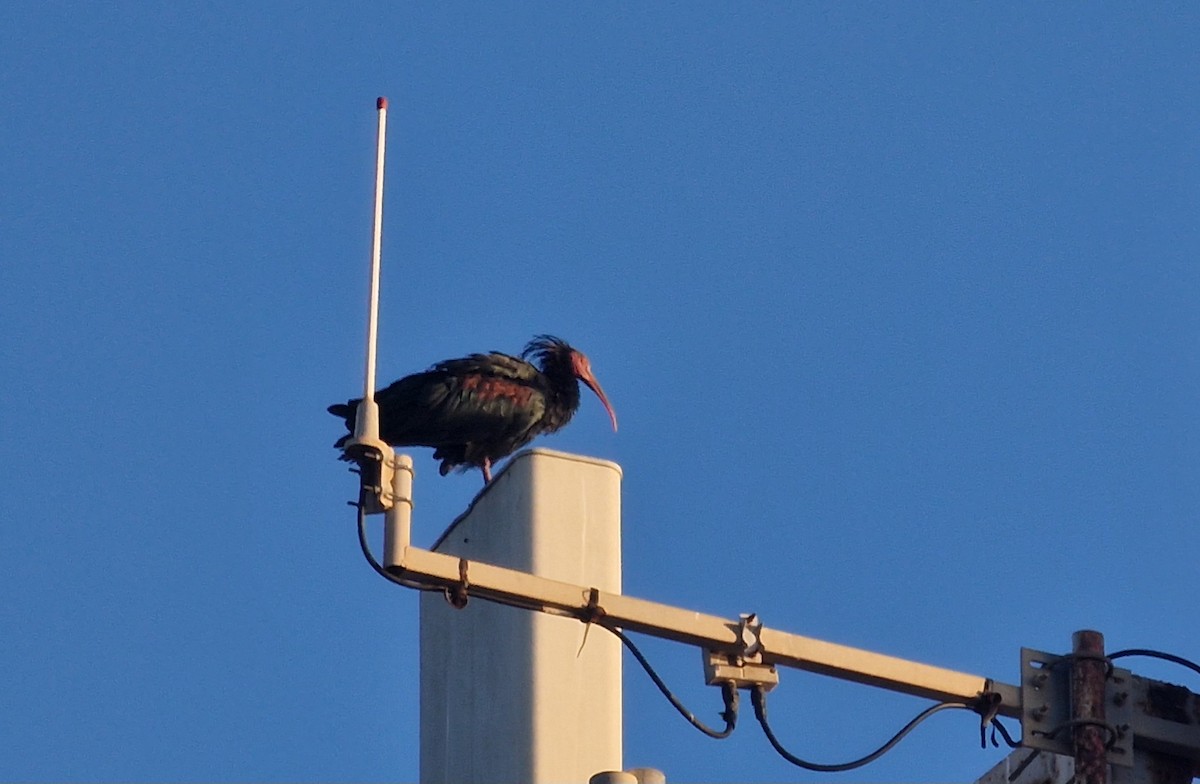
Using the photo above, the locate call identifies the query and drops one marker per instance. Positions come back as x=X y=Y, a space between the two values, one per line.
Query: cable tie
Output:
x=457 y=595
x=987 y=705
x=589 y=615
x=593 y=611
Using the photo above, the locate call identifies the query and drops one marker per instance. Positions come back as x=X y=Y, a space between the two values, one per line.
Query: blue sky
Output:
x=896 y=304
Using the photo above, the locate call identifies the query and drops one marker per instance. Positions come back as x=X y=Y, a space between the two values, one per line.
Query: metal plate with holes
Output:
x=721 y=667
x=1046 y=706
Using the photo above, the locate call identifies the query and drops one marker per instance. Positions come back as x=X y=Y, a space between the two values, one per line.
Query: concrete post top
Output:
x=553 y=454
x=525 y=463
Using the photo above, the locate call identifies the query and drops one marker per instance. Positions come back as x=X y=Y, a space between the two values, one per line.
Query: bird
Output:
x=480 y=408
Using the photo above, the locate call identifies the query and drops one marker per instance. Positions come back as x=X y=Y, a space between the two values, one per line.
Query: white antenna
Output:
x=366 y=423
x=376 y=460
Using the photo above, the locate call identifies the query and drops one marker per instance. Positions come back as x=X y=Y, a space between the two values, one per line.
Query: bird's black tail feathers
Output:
x=349 y=412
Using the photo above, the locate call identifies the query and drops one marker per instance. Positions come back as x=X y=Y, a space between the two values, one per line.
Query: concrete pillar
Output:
x=506 y=694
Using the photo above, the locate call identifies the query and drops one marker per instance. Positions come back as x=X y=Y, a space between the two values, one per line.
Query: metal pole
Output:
x=397 y=521
x=1089 y=673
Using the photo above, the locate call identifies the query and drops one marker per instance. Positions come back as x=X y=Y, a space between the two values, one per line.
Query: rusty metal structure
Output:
x=1088 y=727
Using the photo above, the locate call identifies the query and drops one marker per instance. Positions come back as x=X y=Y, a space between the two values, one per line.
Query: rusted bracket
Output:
x=1046 y=720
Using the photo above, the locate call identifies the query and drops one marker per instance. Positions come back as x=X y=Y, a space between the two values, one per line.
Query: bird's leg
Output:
x=487 y=471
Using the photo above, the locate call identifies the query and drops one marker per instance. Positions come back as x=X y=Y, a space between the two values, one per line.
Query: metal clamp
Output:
x=375 y=465
x=750 y=635
x=744 y=669
x=1046 y=712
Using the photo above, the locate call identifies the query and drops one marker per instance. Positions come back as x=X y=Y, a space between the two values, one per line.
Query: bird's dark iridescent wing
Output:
x=491 y=364
x=484 y=397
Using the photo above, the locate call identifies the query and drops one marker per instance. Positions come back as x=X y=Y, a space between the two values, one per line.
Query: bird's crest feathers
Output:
x=547 y=350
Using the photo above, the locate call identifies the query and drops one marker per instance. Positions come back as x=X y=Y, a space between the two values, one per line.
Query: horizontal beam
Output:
x=886 y=672
x=425 y=569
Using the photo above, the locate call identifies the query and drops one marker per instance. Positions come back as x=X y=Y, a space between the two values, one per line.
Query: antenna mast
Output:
x=376 y=460
x=366 y=426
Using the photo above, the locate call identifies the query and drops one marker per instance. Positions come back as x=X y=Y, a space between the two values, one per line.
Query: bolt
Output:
x=1039 y=680
x=1037 y=714
x=1120 y=697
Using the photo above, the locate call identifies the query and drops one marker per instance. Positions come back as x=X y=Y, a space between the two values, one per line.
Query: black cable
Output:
x=996 y=725
x=366 y=550
x=728 y=691
x=759 y=698
x=413 y=584
x=1191 y=665
x=987 y=705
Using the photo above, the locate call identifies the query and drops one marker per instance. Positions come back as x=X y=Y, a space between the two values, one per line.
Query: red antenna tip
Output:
x=381 y=103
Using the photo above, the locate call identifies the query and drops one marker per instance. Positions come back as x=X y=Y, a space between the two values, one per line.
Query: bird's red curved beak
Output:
x=594 y=385
x=583 y=371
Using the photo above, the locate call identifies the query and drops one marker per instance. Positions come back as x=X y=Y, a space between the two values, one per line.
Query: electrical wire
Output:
x=728 y=691
x=758 y=698
x=413 y=584
x=366 y=549
x=996 y=725
x=987 y=705
x=1191 y=665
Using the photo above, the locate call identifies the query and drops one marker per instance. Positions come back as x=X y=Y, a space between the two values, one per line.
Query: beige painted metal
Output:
x=876 y=669
x=577 y=598
x=397 y=527
x=508 y=695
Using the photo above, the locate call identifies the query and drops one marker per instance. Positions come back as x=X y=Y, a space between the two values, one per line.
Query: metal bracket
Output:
x=744 y=669
x=376 y=469
x=720 y=668
x=1046 y=706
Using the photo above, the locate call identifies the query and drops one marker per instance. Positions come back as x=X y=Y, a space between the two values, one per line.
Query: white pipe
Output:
x=397 y=520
